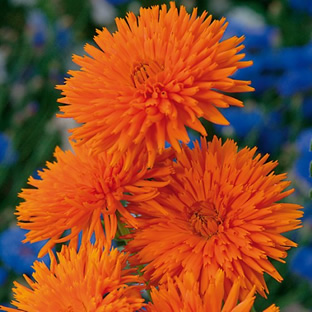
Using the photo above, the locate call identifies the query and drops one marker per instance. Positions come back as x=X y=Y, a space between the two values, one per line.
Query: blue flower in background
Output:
x=242 y=122
x=3 y=276
x=273 y=134
x=287 y=69
x=302 y=168
x=8 y=156
x=64 y=35
x=193 y=135
x=307 y=212
x=117 y=2
x=301 y=5
x=301 y=262
x=293 y=81
x=306 y=108
x=303 y=162
x=304 y=140
x=243 y=21
x=16 y=255
x=37 y=26
x=291 y=58
x=36 y=173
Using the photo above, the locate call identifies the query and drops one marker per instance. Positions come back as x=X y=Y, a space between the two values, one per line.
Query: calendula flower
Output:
x=158 y=73
x=91 y=280
x=80 y=191
x=182 y=294
x=222 y=212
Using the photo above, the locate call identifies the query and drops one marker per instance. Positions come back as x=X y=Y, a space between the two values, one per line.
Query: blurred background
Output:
x=37 y=40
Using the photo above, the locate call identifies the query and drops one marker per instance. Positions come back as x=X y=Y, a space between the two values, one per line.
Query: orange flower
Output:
x=182 y=294
x=80 y=190
x=91 y=280
x=158 y=73
x=272 y=308
x=222 y=212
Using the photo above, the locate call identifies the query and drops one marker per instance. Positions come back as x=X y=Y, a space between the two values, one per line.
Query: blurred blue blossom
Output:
x=3 y=276
x=288 y=70
x=302 y=164
x=302 y=5
x=301 y=262
x=302 y=168
x=307 y=107
x=64 y=35
x=193 y=135
x=117 y=2
x=293 y=81
x=243 y=21
x=16 y=255
x=273 y=134
x=8 y=155
x=242 y=122
x=291 y=58
x=36 y=174
x=304 y=140
x=37 y=27
x=307 y=215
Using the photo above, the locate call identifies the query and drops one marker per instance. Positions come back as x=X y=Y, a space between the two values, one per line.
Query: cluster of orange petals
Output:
x=156 y=74
x=222 y=212
x=182 y=294
x=204 y=223
x=92 y=280
x=80 y=189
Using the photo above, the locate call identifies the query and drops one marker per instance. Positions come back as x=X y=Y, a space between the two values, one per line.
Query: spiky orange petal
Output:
x=182 y=294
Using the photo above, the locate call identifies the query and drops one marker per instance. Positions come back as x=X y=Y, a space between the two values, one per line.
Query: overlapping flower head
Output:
x=222 y=212
x=91 y=279
x=207 y=220
x=158 y=73
x=80 y=190
x=182 y=294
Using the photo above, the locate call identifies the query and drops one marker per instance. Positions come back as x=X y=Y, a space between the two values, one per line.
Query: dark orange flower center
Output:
x=205 y=219
x=142 y=71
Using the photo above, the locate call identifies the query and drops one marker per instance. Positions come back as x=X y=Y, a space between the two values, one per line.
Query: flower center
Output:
x=205 y=219
x=142 y=71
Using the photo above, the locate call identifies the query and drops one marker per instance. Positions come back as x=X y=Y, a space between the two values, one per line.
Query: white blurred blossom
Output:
x=3 y=72
x=23 y=2
x=102 y=12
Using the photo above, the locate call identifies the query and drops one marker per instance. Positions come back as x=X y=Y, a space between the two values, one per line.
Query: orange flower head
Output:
x=80 y=191
x=158 y=73
x=182 y=294
x=223 y=212
x=91 y=280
